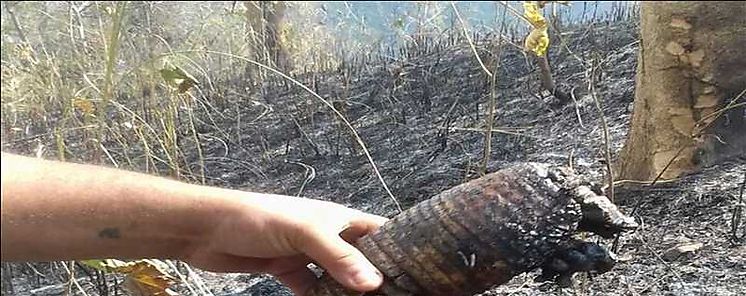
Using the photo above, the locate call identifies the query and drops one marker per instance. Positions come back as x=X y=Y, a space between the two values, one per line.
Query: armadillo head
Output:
x=599 y=214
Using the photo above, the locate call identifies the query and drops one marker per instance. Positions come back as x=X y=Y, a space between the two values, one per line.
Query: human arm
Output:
x=64 y=211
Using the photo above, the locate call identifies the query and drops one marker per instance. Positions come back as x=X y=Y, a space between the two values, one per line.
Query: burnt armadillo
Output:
x=483 y=233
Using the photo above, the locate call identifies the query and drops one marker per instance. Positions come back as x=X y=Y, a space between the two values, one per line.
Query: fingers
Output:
x=372 y=219
x=345 y=263
x=361 y=225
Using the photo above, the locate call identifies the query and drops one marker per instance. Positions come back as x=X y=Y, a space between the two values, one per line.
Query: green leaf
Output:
x=107 y=265
x=176 y=76
x=98 y=264
x=398 y=23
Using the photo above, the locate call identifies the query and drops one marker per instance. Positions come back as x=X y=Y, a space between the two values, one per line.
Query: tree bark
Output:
x=690 y=68
x=264 y=19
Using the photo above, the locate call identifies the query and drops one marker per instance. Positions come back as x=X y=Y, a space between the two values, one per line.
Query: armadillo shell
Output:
x=471 y=237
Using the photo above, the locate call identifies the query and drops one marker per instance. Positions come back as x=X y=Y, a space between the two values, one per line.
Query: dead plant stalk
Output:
x=322 y=100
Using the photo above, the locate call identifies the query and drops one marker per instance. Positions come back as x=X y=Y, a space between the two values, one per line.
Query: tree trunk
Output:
x=264 y=19
x=263 y=22
x=689 y=76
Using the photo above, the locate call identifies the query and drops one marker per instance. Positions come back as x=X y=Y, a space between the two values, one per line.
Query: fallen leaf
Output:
x=147 y=279
x=143 y=277
x=681 y=249
x=84 y=105
x=176 y=76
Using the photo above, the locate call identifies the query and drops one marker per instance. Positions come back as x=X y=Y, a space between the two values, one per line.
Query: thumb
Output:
x=344 y=262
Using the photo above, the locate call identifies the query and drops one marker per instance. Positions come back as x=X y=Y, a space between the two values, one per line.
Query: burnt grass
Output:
x=421 y=116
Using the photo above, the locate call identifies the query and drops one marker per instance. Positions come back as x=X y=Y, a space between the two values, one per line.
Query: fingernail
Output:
x=367 y=276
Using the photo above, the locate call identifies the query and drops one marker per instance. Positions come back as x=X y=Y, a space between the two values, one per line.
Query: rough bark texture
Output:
x=264 y=19
x=691 y=65
x=484 y=232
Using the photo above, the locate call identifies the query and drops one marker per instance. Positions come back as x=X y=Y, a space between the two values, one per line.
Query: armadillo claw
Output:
x=578 y=257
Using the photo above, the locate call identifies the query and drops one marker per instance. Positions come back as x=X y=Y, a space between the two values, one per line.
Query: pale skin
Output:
x=64 y=211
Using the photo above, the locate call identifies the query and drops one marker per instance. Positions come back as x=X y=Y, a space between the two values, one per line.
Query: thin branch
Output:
x=310 y=175
x=492 y=102
x=17 y=25
x=500 y=131
x=738 y=213
x=317 y=96
x=515 y=11
x=471 y=43
x=605 y=126
x=731 y=105
x=577 y=110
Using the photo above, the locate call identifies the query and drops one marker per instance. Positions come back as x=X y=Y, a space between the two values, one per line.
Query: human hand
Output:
x=281 y=235
x=65 y=211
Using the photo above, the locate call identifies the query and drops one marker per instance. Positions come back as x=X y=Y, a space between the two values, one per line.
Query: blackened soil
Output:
x=422 y=119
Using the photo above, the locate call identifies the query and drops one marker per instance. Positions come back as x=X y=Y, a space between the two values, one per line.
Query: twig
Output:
x=515 y=11
x=324 y=101
x=639 y=201
x=563 y=42
x=34 y=270
x=738 y=214
x=305 y=135
x=493 y=130
x=197 y=280
x=658 y=256
x=654 y=283
x=605 y=126
x=731 y=105
x=182 y=278
x=471 y=44
x=577 y=110
x=71 y=279
x=570 y=159
x=641 y=182
x=310 y=175
x=492 y=101
x=225 y=145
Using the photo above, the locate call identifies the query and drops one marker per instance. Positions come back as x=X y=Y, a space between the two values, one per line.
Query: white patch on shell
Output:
x=471 y=261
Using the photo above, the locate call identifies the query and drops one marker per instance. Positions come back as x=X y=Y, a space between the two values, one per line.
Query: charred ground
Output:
x=421 y=115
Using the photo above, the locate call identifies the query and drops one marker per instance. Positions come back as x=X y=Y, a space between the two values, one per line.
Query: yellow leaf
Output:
x=84 y=105
x=538 y=40
x=110 y=265
x=148 y=279
x=143 y=277
x=532 y=12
